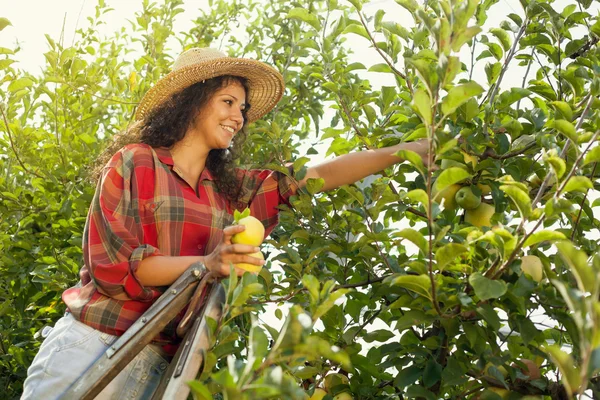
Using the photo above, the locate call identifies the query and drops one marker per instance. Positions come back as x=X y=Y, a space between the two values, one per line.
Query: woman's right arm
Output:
x=164 y=270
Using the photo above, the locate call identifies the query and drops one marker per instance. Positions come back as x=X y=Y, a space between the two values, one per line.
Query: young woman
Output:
x=166 y=201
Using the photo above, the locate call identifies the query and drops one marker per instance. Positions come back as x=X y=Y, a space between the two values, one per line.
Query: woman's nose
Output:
x=238 y=117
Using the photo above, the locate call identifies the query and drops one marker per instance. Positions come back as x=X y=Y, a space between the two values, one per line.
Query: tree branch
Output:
x=388 y=62
x=12 y=145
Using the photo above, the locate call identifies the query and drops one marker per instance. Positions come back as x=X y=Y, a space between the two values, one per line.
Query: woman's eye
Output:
x=230 y=102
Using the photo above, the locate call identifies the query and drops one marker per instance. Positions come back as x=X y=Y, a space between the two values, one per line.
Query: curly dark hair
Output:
x=167 y=124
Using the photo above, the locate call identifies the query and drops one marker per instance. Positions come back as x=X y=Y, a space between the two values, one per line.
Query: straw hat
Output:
x=197 y=64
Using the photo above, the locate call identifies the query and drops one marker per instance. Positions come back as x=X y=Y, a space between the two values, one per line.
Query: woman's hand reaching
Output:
x=226 y=253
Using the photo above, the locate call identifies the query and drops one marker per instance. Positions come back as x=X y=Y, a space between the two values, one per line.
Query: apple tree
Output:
x=472 y=275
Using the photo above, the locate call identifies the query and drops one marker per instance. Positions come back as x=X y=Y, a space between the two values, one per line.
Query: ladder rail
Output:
x=189 y=360
x=140 y=334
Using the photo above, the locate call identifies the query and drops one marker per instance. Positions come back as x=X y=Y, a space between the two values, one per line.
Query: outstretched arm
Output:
x=352 y=167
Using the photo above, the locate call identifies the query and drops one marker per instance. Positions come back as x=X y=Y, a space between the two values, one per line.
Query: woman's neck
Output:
x=189 y=156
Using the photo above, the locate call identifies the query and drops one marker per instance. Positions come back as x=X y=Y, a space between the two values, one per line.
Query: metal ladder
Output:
x=189 y=357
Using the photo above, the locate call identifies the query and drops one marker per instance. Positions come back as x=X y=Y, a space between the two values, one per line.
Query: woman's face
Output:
x=221 y=118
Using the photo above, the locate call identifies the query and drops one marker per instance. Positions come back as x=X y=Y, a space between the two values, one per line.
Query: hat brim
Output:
x=265 y=84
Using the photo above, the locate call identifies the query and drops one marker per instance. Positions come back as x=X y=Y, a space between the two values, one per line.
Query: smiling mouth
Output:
x=228 y=129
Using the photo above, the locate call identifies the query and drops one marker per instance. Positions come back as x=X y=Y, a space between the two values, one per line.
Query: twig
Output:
x=507 y=61
x=388 y=62
x=12 y=145
x=525 y=77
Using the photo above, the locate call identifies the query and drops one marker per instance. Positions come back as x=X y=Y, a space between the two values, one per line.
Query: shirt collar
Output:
x=165 y=157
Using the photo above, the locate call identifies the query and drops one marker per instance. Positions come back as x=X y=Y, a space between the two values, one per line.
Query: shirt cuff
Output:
x=133 y=287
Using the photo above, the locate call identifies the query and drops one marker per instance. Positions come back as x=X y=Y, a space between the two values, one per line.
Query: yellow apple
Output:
x=254 y=233
x=485 y=189
x=251 y=267
x=318 y=394
x=447 y=195
x=467 y=199
x=333 y=380
x=480 y=216
x=343 y=396
x=532 y=266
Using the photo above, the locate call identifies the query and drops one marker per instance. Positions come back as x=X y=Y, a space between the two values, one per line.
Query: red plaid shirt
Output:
x=142 y=208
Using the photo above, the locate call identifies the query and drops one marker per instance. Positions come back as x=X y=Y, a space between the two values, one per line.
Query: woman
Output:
x=165 y=202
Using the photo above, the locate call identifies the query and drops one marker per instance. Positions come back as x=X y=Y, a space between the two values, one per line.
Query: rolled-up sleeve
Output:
x=113 y=246
x=265 y=190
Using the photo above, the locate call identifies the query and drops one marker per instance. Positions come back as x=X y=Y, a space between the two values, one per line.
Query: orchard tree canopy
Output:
x=477 y=277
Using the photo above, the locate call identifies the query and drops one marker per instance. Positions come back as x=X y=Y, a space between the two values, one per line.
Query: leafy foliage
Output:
x=380 y=282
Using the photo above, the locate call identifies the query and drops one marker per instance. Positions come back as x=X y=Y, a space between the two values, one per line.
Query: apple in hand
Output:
x=251 y=267
x=343 y=396
x=467 y=199
x=254 y=234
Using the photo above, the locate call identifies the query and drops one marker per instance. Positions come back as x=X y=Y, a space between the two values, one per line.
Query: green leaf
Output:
x=503 y=37
x=19 y=84
x=578 y=184
x=448 y=253
x=382 y=67
x=596 y=28
x=407 y=376
x=4 y=23
x=521 y=199
x=492 y=71
x=450 y=176
x=543 y=236
x=199 y=390
x=410 y=5
x=413 y=158
x=380 y=335
x=570 y=374
x=558 y=165
x=489 y=315
x=314 y=185
x=578 y=263
x=358 y=30
x=329 y=302
x=432 y=373
x=487 y=288
x=241 y=297
x=303 y=15
x=312 y=285
x=419 y=284
x=422 y=105
x=357 y=4
x=511 y=96
x=459 y=95
x=417 y=238
x=464 y=36
x=566 y=128
x=564 y=108
x=418 y=195
x=592 y=156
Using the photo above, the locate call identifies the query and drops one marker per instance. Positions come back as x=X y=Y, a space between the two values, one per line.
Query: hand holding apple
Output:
x=227 y=253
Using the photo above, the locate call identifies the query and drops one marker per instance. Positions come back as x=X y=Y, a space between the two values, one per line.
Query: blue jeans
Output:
x=71 y=347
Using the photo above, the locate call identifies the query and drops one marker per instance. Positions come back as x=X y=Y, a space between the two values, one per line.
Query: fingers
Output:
x=229 y=231
x=240 y=249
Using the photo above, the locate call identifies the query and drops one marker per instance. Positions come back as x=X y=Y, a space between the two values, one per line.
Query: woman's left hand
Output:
x=421 y=147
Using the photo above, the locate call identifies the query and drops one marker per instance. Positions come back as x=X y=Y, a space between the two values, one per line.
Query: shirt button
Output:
x=163 y=366
x=200 y=246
